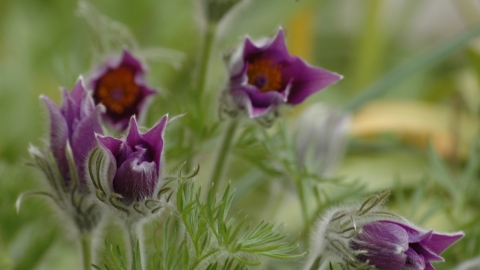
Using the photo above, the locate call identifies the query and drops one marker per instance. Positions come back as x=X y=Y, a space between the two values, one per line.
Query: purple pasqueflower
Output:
x=136 y=160
x=73 y=125
x=395 y=245
x=264 y=75
x=367 y=236
x=120 y=86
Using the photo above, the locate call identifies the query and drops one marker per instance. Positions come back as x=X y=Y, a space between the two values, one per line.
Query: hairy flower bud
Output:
x=72 y=137
x=368 y=237
x=127 y=173
x=263 y=76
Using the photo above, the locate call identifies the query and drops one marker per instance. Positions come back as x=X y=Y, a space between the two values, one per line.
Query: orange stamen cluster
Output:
x=265 y=74
x=117 y=90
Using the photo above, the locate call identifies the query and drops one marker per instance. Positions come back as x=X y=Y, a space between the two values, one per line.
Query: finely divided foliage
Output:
x=267 y=153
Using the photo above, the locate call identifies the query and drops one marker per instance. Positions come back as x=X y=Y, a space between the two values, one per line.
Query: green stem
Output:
x=303 y=203
x=86 y=242
x=203 y=257
x=208 y=42
x=222 y=154
x=135 y=247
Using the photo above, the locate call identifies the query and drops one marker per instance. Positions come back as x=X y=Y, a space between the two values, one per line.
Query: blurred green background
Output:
x=418 y=138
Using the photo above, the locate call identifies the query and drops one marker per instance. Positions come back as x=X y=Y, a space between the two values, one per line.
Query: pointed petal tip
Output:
x=80 y=79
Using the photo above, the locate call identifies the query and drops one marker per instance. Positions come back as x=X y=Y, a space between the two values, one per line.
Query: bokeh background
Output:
x=417 y=136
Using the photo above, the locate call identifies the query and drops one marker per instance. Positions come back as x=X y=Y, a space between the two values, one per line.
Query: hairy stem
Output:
x=223 y=153
x=208 y=42
x=303 y=204
x=86 y=243
x=135 y=247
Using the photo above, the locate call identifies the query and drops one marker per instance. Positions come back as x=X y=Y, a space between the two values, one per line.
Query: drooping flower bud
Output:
x=322 y=138
x=369 y=237
x=127 y=173
x=264 y=75
x=120 y=86
x=72 y=136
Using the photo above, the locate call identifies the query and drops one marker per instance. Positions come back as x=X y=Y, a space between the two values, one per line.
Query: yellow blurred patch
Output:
x=418 y=123
x=301 y=34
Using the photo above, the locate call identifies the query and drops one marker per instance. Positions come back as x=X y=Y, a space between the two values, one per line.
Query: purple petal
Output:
x=69 y=111
x=263 y=100
x=428 y=266
x=441 y=241
x=414 y=234
x=426 y=253
x=276 y=46
x=414 y=260
x=155 y=138
x=130 y=60
x=133 y=136
x=78 y=91
x=83 y=141
x=436 y=242
x=135 y=180
x=385 y=245
x=119 y=150
x=307 y=79
x=109 y=143
x=58 y=137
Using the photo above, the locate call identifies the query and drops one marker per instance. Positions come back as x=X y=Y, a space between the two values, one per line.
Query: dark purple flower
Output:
x=137 y=160
x=394 y=245
x=120 y=86
x=75 y=124
x=265 y=75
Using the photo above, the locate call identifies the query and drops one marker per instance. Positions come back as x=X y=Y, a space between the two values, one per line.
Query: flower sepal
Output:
x=70 y=199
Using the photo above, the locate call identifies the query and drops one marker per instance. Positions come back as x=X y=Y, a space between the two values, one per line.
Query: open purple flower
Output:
x=395 y=245
x=120 y=86
x=136 y=161
x=264 y=75
x=74 y=124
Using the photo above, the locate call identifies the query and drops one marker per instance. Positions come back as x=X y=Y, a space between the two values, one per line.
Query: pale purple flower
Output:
x=264 y=75
x=322 y=138
x=136 y=161
x=74 y=124
x=120 y=86
x=395 y=245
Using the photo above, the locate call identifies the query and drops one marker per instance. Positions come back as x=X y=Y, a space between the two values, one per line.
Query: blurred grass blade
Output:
x=412 y=67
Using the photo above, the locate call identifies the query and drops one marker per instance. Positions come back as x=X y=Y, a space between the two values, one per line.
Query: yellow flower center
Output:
x=265 y=75
x=117 y=89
